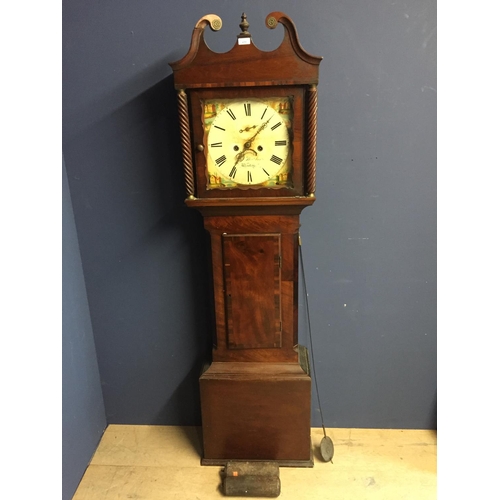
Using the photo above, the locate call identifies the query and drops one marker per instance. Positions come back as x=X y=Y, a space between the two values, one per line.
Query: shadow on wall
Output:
x=144 y=254
x=183 y=406
x=433 y=415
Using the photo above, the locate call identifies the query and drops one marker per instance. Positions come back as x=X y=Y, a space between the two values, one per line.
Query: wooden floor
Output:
x=158 y=462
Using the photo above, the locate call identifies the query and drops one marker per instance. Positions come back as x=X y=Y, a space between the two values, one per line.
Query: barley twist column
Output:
x=186 y=142
x=312 y=114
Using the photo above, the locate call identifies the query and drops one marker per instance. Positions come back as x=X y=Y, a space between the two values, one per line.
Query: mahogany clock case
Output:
x=256 y=392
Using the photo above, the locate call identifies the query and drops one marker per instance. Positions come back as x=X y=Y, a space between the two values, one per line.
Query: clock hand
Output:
x=248 y=143
x=246 y=129
x=242 y=154
x=260 y=129
x=240 y=157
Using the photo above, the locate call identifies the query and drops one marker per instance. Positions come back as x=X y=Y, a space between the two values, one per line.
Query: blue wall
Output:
x=369 y=240
x=83 y=415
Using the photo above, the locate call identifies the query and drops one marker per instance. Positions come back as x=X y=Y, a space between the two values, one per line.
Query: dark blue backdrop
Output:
x=369 y=240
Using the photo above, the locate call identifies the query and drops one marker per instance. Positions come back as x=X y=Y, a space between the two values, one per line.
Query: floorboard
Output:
x=163 y=462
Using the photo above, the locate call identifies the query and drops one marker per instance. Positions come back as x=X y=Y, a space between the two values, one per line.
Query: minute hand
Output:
x=259 y=130
x=248 y=143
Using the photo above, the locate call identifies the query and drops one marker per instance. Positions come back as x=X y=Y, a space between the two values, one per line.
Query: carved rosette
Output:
x=186 y=142
x=312 y=115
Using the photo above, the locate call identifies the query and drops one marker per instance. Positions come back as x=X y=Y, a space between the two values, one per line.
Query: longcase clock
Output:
x=248 y=133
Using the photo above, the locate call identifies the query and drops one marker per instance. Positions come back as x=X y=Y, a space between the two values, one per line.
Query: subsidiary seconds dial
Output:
x=248 y=142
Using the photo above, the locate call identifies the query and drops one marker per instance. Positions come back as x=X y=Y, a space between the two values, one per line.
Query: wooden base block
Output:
x=256 y=411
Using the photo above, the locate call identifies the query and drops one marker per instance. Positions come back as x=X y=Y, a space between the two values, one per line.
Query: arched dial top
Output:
x=295 y=65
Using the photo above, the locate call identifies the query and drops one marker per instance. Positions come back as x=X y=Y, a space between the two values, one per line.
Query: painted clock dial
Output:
x=248 y=142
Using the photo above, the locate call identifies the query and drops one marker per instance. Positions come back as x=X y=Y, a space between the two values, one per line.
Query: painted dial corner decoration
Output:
x=248 y=142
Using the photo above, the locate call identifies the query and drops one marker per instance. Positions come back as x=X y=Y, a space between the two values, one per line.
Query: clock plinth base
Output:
x=256 y=411
x=281 y=463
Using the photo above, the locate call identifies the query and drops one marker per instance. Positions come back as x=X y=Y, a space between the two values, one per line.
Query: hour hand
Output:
x=247 y=129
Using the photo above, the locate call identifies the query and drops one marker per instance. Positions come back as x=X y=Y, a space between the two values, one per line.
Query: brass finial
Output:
x=244 y=26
